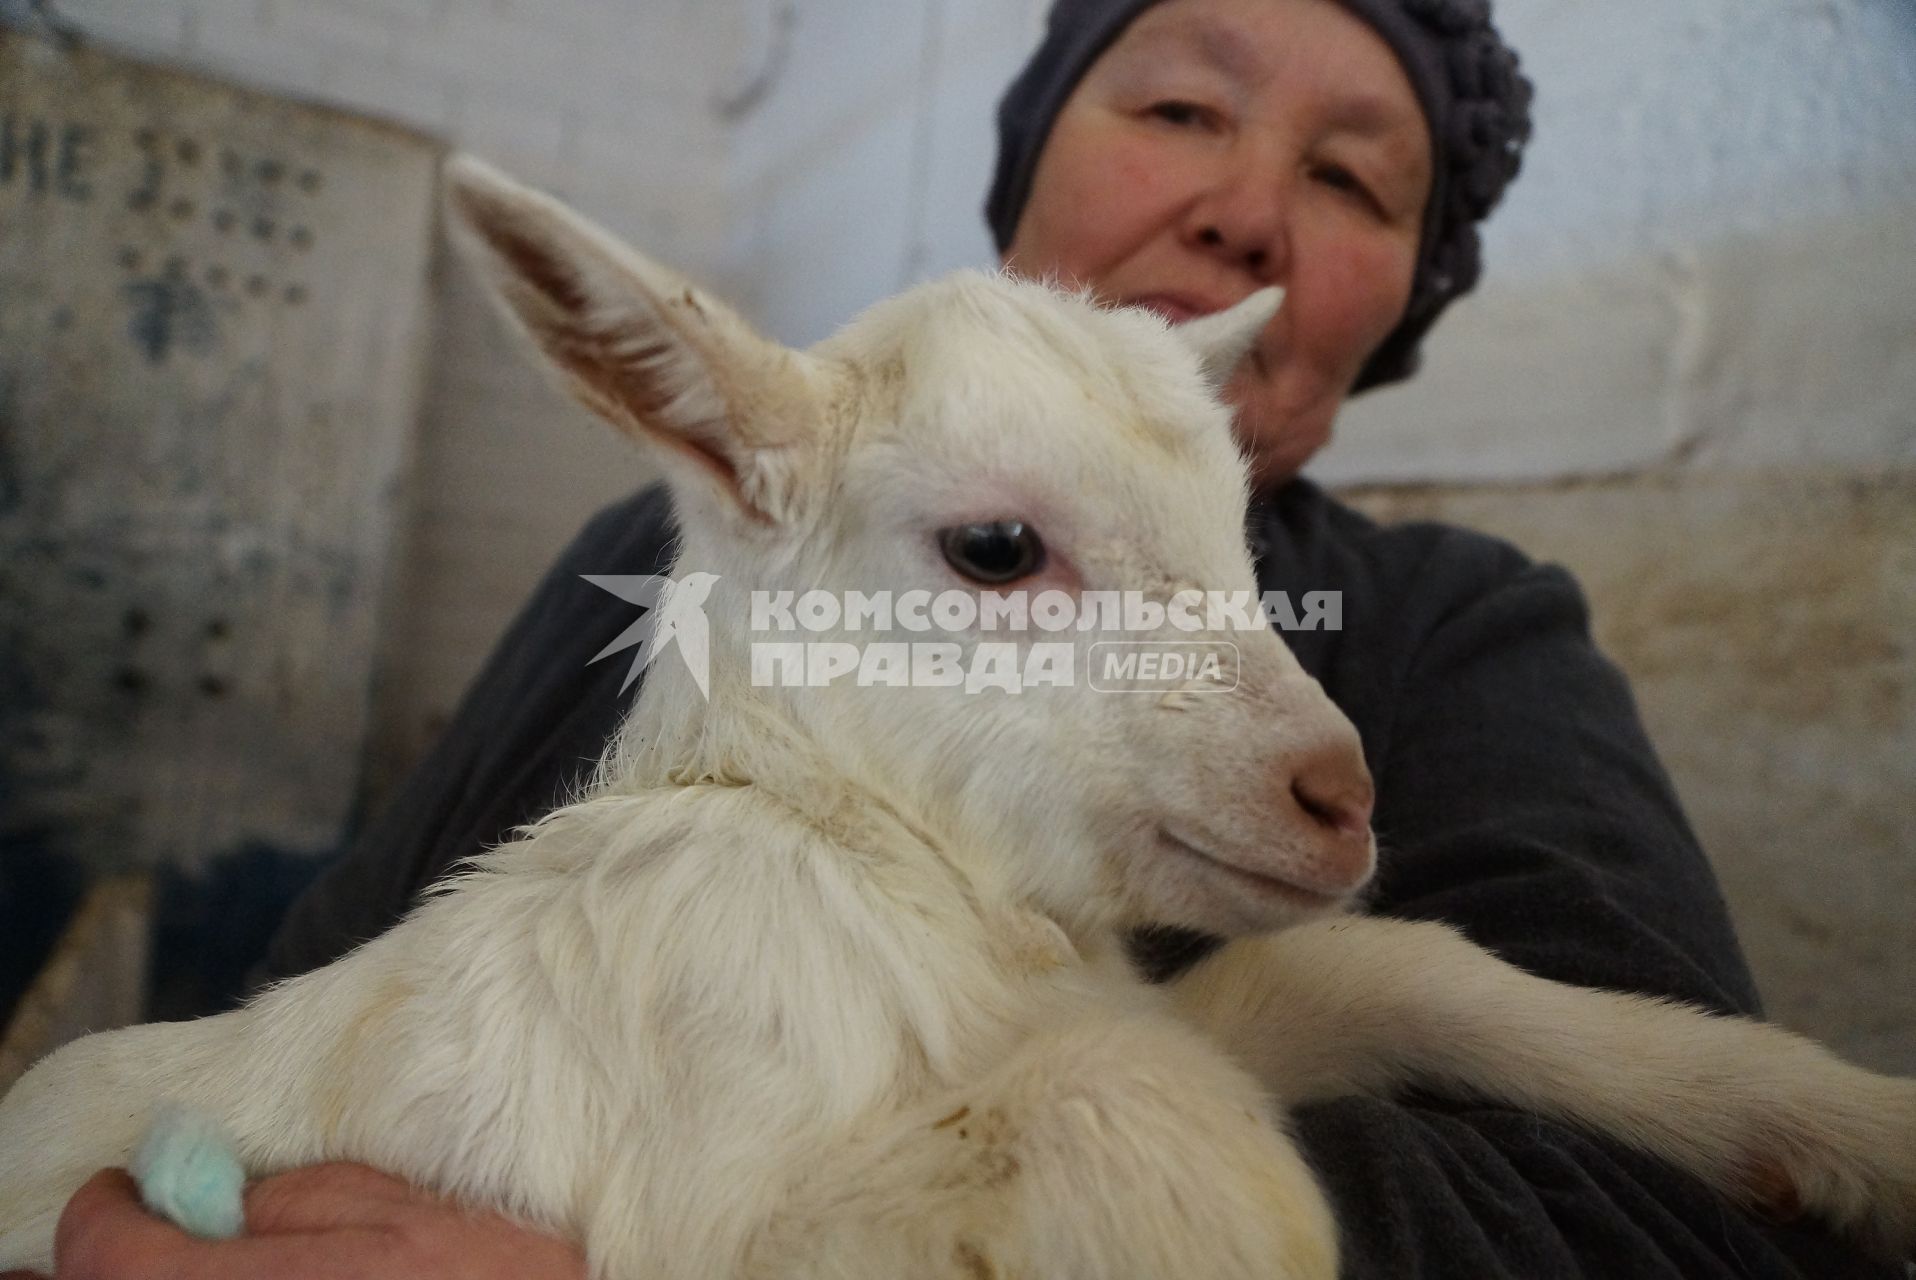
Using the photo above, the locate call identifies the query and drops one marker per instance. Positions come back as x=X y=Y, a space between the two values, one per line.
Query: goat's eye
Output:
x=998 y=552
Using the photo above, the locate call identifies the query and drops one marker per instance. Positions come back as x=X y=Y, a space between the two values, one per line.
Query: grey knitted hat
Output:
x=1476 y=101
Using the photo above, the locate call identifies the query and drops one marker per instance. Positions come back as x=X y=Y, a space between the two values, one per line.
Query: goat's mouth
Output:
x=1261 y=883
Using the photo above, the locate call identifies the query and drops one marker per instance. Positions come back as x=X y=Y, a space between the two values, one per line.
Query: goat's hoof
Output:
x=1772 y=1192
x=1856 y=1170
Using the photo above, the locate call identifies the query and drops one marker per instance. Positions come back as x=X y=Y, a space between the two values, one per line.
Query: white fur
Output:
x=826 y=982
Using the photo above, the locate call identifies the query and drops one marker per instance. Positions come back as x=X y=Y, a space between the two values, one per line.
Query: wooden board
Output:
x=95 y=980
x=212 y=329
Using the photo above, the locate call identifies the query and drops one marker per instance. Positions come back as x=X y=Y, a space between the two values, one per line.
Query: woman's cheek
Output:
x=1134 y=172
x=1366 y=289
x=1088 y=166
x=1138 y=176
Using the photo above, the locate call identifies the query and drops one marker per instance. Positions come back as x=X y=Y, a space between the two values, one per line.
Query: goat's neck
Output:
x=741 y=735
x=676 y=735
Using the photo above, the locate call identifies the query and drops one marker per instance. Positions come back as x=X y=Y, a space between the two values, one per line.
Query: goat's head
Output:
x=979 y=436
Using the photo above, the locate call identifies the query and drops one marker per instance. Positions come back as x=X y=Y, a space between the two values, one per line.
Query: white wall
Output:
x=872 y=151
x=1719 y=191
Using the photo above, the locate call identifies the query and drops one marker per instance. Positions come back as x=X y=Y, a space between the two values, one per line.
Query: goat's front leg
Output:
x=87 y=1105
x=1370 y=1005
x=1117 y=1146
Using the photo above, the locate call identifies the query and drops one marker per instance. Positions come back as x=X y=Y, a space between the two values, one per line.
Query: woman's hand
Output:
x=328 y=1222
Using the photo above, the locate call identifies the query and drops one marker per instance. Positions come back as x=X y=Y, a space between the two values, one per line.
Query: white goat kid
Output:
x=827 y=982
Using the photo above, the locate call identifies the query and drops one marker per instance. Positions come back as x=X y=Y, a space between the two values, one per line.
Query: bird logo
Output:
x=675 y=614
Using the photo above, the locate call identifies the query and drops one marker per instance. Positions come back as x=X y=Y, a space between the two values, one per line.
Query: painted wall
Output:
x=213 y=323
x=618 y=107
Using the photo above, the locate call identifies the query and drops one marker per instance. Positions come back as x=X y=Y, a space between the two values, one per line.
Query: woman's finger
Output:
x=105 y=1233
x=327 y=1197
x=328 y=1222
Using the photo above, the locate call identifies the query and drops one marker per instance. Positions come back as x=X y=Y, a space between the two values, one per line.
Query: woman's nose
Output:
x=1242 y=216
x=1251 y=251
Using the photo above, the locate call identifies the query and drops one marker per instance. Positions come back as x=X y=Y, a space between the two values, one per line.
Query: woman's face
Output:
x=1222 y=145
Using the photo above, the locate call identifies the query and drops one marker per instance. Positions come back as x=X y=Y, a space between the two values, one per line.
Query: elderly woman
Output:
x=1177 y=155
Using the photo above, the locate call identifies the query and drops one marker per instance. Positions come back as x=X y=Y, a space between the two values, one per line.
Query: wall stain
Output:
x=12 y=491
x=169 y=310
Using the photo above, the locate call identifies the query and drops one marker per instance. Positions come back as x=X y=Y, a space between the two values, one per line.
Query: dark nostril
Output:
x=1341 y=804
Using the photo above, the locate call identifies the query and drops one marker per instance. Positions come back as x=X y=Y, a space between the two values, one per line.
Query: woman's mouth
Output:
x=1176 y=308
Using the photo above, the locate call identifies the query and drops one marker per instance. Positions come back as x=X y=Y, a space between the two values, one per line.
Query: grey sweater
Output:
x=1517 y=798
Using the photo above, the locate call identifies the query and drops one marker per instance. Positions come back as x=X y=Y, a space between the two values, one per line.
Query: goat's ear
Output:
x=1224 y=338
x=641 y=346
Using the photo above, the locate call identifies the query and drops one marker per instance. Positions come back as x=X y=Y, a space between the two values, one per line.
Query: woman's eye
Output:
x=994 y=553
x=1178 y=112
x=1338 y=178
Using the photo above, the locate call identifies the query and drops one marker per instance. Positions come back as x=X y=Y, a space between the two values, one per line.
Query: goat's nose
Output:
x=1333 y=787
